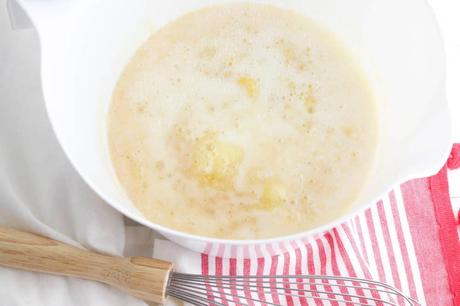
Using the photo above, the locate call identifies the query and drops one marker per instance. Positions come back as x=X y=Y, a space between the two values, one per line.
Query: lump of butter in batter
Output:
x=272 y=196
x=250 y=86
x=215 y=162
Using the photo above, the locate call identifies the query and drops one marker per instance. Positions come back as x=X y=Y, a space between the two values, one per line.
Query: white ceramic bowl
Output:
x=86 y=43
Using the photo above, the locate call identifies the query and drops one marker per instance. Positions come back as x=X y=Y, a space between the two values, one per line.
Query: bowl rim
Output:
x=169 y=232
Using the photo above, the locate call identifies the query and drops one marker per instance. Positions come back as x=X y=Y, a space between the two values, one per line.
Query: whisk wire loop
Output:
x=239 y=290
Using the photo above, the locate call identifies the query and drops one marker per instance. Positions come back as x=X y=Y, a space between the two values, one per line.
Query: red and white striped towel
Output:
x=408 y=239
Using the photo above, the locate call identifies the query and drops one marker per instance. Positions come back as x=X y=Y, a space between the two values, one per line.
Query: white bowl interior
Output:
x=86 y=43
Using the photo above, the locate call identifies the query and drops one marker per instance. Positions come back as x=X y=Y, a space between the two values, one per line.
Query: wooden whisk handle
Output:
x=145 y=278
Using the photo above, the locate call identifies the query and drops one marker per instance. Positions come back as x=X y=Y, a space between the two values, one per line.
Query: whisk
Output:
x=153 y=280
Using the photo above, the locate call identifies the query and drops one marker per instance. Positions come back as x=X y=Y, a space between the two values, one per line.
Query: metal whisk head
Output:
x=281 y=290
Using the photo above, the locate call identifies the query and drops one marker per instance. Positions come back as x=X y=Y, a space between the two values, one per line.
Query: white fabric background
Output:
x=41 y=192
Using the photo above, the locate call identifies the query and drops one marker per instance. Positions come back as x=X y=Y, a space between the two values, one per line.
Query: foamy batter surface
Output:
x=242 y=121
